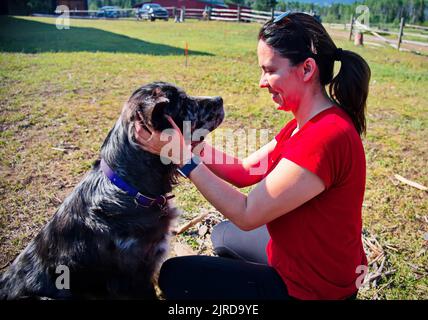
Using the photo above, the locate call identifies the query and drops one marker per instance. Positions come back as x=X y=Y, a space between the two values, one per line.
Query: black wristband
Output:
x=188 y=167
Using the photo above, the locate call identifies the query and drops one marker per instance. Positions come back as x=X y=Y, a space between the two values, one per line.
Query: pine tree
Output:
x=264 y=5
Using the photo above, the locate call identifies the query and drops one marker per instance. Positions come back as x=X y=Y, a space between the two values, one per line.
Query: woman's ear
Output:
x=309 y=68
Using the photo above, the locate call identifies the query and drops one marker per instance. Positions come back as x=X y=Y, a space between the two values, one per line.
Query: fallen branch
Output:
x=379 y=274
x=410 y=183
x=377 y=250
x=384 y=286
x=379 y=270
x=65 y=147
x=191 y=223
x=378 y=257
x=390 y=247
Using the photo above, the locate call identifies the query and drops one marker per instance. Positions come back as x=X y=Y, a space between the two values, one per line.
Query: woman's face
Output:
x=279 y=77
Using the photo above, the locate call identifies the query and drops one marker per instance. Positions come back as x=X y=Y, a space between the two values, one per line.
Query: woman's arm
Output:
x=231 y=169
x=287 y=187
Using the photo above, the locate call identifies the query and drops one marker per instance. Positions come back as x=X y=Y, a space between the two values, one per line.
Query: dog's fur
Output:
x=112 y=246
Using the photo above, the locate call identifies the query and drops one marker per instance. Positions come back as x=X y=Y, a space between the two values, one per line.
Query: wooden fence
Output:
x=185 y=13
x=242 y=15
x=234 y=15
x=405 y=31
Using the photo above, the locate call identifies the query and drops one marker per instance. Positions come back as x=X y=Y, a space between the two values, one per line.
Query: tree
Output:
x=264 y=5
x=240 y=2
x=420 y=11
x=39 y=6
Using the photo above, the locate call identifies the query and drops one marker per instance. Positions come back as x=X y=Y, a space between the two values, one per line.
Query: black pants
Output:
x=241 y=271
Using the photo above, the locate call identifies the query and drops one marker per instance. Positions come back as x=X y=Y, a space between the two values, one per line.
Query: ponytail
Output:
x=350 y=88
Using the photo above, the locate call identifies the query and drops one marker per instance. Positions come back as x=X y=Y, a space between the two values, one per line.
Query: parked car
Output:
x=108 y=12
x=152 y=11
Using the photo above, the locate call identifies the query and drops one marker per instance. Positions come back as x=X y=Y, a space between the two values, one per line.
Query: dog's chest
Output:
x=145 y=238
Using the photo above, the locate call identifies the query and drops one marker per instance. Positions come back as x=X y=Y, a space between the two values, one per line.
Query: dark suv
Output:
x=152 y=11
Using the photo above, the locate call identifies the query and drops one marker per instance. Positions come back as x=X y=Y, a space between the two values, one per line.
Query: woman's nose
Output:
x=263 y=82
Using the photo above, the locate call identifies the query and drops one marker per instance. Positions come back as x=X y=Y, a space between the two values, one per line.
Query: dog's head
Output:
x=152 y=102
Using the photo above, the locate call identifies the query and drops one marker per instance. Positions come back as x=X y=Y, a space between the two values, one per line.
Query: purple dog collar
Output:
x=141 y=199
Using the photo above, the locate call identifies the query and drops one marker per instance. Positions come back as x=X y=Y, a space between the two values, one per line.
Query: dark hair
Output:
x=298 y=36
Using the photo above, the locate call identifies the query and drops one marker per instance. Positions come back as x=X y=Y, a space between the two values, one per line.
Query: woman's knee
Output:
x=217 y=235
x=221 y=244
x=231 y=242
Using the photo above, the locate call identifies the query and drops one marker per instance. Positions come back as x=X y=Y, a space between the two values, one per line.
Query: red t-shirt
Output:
x=316 y=248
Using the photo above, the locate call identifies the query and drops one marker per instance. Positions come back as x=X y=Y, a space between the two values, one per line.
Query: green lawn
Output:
x=65 y=88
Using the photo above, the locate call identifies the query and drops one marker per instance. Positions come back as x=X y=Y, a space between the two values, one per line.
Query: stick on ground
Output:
x=191 y=223
x=410 y=183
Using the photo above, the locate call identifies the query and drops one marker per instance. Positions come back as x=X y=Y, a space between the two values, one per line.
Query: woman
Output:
x=311 y=196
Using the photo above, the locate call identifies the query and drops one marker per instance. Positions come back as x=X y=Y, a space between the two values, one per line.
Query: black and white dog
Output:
x=109 y=236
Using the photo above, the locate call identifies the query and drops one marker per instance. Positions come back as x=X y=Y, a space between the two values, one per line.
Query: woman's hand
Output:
x=169 y=144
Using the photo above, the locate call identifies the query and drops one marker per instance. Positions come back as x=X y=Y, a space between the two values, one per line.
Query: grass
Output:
x=66 y=88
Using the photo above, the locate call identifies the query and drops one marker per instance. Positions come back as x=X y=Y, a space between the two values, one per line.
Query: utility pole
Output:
x=352 y=27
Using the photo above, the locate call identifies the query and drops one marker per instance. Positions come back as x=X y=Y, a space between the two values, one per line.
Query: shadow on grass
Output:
x=24 y=36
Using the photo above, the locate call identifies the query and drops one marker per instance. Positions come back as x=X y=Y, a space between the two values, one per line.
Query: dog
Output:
x=109 y=236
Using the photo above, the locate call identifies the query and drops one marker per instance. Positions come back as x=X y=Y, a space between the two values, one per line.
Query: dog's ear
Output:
x=158 y=120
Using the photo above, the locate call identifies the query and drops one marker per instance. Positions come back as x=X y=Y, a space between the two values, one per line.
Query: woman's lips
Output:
x=276 y=97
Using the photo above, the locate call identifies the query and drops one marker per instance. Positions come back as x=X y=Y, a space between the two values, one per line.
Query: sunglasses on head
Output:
x=286 y=14
x=281 y=16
